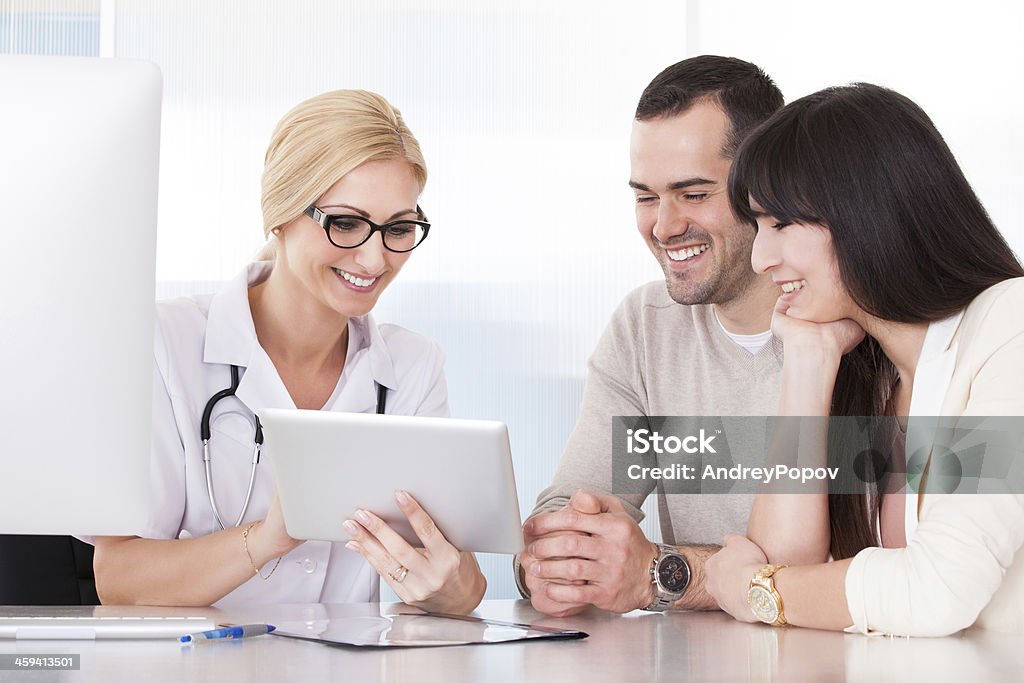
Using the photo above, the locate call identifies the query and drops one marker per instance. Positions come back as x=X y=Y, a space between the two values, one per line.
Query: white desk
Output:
x=639 y=646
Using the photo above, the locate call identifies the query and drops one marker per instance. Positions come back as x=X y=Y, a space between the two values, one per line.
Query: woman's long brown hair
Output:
x=913 y=242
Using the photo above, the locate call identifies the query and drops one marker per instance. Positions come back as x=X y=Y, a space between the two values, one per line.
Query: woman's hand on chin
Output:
x=835 y=338
x=436 y=578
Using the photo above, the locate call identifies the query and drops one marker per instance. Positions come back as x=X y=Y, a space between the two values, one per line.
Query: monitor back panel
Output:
x=78 y=177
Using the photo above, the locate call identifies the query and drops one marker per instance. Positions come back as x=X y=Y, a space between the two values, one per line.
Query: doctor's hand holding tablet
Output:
x=341 y=182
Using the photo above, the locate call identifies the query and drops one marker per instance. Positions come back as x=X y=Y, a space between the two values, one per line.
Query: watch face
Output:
x=673 y=574
x=763 y=604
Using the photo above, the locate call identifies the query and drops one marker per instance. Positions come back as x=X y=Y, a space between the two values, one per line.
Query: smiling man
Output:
x=697 y=344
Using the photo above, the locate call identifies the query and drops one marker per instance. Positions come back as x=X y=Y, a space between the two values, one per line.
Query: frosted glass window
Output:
x=50 y=27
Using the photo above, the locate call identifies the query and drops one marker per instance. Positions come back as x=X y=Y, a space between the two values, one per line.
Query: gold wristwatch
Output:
x=764 y=600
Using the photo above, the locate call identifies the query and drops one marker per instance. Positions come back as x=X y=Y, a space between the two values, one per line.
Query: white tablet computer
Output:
x=328 y=465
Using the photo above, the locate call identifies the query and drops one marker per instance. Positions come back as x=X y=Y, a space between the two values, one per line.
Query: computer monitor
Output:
x=79 y=144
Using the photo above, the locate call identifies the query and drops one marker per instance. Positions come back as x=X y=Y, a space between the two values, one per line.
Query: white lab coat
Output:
x=197 y=339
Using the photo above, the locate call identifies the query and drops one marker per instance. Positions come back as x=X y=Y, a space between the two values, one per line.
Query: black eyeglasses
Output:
x=348 y=232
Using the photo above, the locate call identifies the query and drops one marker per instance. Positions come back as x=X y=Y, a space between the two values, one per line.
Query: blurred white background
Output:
x=523 y=111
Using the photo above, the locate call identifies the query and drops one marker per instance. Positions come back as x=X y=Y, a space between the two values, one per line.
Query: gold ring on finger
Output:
x=398 y=575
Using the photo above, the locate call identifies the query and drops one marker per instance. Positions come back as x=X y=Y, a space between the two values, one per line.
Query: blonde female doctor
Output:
x=340 y=187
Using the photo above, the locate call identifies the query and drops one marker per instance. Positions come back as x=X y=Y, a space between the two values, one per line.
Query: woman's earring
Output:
x=275 y=231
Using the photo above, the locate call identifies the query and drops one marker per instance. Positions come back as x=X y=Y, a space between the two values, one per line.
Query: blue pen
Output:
x=228 y=633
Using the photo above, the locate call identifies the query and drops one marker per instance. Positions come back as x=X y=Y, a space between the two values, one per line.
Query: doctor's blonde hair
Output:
x=322 y=139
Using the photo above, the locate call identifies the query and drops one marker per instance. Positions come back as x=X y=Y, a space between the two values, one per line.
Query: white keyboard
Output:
x=90 y=623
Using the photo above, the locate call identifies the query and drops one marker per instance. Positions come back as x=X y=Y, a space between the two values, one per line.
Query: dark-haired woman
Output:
x=898 y=297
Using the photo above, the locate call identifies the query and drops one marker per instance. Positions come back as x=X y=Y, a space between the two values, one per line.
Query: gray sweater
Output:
x=660 y=358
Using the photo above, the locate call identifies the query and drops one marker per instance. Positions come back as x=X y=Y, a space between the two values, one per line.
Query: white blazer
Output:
x=197 y=339
x=964 y=562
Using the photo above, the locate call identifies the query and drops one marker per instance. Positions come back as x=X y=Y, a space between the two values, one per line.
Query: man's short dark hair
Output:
x=745 y=93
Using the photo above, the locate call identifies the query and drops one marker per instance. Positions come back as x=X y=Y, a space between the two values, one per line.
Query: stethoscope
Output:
x=204 y=433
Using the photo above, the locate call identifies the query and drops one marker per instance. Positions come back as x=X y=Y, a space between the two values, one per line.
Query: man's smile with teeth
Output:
x=687 y=253
x=788 y=287
x=357 y=281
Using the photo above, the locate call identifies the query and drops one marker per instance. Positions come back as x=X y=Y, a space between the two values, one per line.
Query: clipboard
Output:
x=418 y=630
